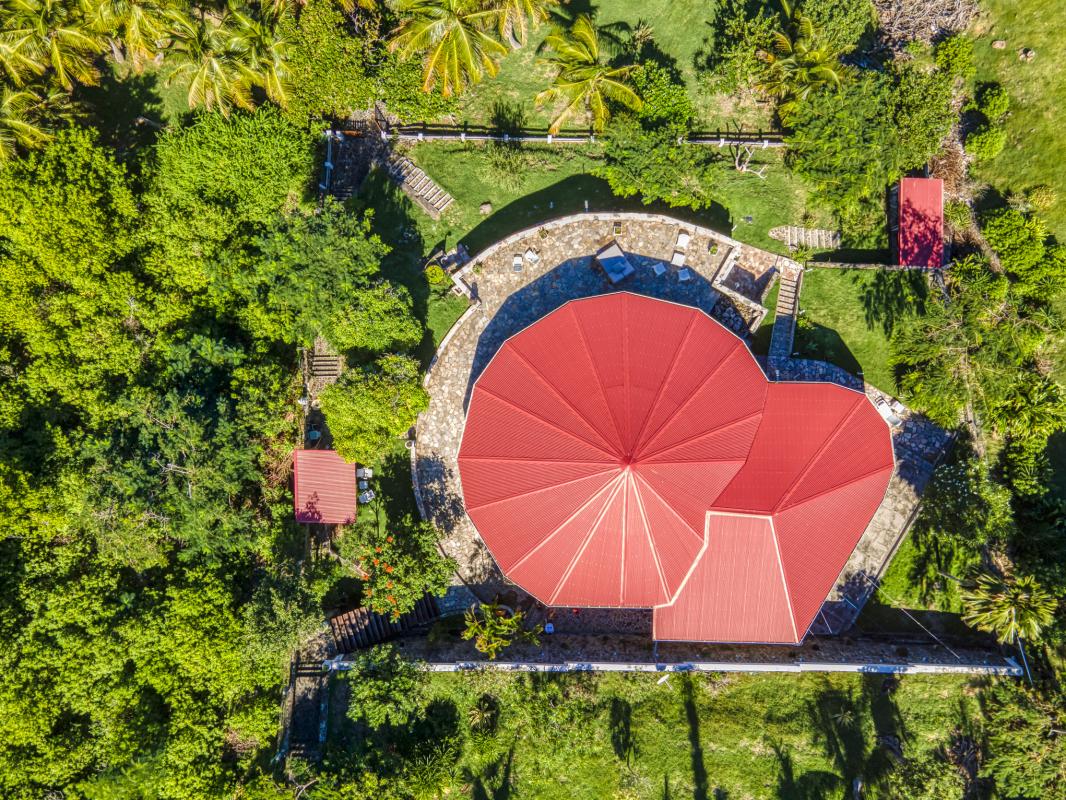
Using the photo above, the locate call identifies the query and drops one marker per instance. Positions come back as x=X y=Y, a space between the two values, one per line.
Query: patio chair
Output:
x=367 y=496
x=683 y=238
x=364 y=472
x=516 y=263
x=363 y=486
x=886 y=412
x=532 y=256
x=678 y=258
x=660 y=269
x=684 y=275
x=617 y=228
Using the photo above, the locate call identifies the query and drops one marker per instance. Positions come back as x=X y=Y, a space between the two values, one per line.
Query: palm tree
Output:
x=584 y=80
x=56 y=35
x=15 y=62
x=803 y=63
x=1013 y=608
x=18 y=128
x=202 y=52
x=138 y=29
x=262 y=54
x=514 y=16
x=453 y=38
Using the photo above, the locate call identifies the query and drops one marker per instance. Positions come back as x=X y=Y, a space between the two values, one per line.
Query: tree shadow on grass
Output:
x=813 y=785
x=568 y=196
x=699 y=768
x=128 y=113
x=496 y=782
x=621 y=726
x=889 y=295
x=824 y=344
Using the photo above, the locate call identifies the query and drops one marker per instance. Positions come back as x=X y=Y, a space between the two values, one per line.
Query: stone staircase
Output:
x=784 y=330
x=304 y=731
x=814 y=238
x=417 y=185
x=361 y=627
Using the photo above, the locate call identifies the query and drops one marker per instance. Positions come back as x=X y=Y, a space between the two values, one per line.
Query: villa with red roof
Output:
x=628 y=452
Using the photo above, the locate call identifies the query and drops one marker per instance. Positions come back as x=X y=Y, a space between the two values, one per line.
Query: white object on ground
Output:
x=683 y=238
x=678 y=259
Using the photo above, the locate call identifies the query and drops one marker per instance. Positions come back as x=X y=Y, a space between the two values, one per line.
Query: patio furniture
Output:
x=617 y=228
x=367 y=496
x=364 y=472
x=683 y=238
x=886 y=412
x=516 y=263
x=532 y=256
x=363 y=486
x=684 y=275
x=660 y=269
x=678 y=258
x=614 y=262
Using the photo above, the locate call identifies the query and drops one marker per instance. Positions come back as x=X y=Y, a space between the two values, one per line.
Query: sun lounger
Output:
x=364 y=472
x=614 y=262
x=516 y=263
x=683 y=238
x=678 y=259
x=532 y=256
x=367 y=496
x=886 y=412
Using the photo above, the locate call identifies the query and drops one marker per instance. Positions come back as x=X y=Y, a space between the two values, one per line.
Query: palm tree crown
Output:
x=1009 y=608
x=584 y=81
x=452 y=36
x=202 y=52
x=138 y=26
x=39 y=35
x=513 y=17
x=802 y=63
x=18 y=126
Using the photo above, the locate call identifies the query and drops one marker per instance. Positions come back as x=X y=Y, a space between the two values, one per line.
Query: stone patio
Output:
x=505 y=301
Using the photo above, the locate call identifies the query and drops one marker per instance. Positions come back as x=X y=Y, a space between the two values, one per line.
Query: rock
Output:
x=485 y=209
x=999 y=44
x=1026 y=54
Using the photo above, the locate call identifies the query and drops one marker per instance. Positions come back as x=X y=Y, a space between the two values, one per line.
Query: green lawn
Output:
x=1036 y=150
x=681 y=33
x=847 y=316
x=494 y=735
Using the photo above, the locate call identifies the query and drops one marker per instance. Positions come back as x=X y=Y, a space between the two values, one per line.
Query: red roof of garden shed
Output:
x=324 y=487
x=921 y=222
x=629 y=452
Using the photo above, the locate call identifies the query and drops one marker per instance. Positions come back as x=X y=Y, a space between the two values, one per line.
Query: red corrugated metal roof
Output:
x=323 y=487
x=921 y=222
x=599 y=439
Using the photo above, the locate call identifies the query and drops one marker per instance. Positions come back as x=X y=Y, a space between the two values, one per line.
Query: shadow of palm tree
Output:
x=497 y=780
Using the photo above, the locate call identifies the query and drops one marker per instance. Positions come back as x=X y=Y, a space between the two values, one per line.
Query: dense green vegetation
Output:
x=164 y=259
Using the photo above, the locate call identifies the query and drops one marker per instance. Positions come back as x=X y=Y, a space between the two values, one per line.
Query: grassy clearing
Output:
x=848 y=315
x=682 y=35
x=630 y=736
x=1036 y=149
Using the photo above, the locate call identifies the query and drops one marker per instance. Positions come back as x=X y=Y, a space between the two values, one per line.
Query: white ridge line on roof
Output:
x=552 y=388
x=548 y=488
x=546 y=423
x=620 y=485
x=699 y=387
x=646 y=458
x=784 y=581
x=638 y=439
x=663 y=586
x=780 y=505
x=607 y=487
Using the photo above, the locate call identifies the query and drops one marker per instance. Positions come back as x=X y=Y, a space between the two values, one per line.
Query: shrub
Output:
x=666 y=100
x=958 y=214
x=841 y=22
x=1017 y=239
x=385 y=689
x=326 y=63
x=380 y=318
x=1043 y=197
x=922 y=113
x=993 y=101
x=493 y=629
x=986 y=142
x=435 y=275
x=368 y=407
x=954 y=55
x=734 y=63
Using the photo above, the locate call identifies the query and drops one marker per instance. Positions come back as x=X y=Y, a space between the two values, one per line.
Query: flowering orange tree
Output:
x=401 y=563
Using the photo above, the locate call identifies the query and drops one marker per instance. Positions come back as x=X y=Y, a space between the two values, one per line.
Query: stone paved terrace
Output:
x=507 y=301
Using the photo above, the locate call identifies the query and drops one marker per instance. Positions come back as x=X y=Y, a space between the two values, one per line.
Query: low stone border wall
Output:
x=1009 y=669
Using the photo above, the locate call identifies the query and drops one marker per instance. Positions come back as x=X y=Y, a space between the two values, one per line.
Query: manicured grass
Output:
x=1036 y=149
x=690 y=736
x=848 y=315
x=681 y=36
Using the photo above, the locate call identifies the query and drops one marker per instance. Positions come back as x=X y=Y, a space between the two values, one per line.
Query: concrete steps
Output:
x=784 y=330
x=361 y=628
x=417 y=185
x=814 y=238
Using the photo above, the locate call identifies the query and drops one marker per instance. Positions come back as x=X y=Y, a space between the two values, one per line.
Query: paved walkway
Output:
x=508 y=301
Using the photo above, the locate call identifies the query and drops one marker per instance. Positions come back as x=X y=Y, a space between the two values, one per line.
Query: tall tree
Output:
x=584 y=80
x=1010 y=609
x=138 y=29
x=801 y=64
x=453 y=38
x=55 y=35
x=18 y=127
x=261 y=53
x=515 y=16
x=203 y=54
